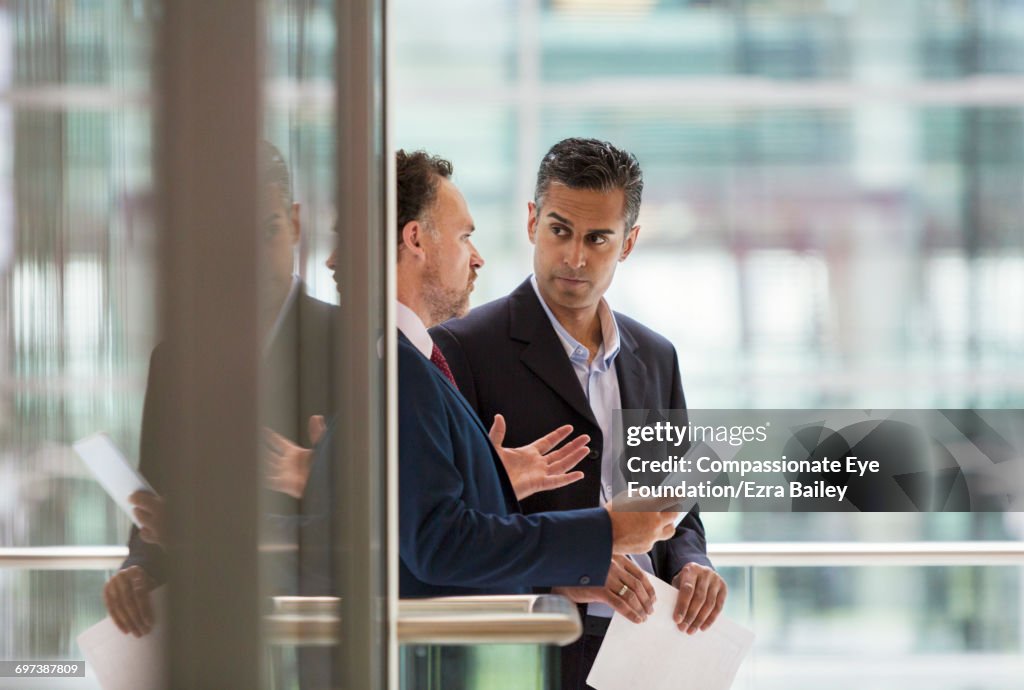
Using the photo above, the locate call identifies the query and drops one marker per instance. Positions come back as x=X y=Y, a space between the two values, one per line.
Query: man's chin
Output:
x=573 y=297
x=461 y=309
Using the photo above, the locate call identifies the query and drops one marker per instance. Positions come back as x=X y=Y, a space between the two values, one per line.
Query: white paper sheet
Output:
x=112 y=470
x=126 y=662
x=654 y=655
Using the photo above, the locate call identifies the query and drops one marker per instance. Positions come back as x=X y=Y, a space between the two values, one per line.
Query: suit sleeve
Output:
x=445 y=541
x=151 y=557
x=689 y=544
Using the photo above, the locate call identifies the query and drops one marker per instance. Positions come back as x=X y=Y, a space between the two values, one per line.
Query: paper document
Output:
x=654 y=655
x=112 y=470
x=122 y=661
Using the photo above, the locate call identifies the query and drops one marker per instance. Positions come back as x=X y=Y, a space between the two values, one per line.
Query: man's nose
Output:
x=476 y=261
x=575 y=255
x=332 y=260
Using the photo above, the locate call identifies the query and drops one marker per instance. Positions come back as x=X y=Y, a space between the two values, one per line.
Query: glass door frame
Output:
x=210 y=99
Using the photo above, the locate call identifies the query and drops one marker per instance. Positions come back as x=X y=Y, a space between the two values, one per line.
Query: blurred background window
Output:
x=833 y=216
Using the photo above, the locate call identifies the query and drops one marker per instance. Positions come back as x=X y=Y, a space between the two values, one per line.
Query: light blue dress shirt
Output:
x=600 y=384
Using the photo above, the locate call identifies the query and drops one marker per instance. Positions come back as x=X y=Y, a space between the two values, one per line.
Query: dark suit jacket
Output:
x=507 y=359
x=460 y=531
x=298 y=376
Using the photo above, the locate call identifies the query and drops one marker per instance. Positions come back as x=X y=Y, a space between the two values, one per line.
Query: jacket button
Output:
x=585 y=580
x=594 y=454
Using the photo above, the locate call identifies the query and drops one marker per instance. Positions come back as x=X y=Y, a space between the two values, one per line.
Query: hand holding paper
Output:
x=124 y=662
x=113 y=471
x=655 y=655
x=627 y=590
x=702 y=594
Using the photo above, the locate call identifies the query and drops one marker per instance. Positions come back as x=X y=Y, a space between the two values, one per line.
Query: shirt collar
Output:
x=412 y=326
x=575 y=350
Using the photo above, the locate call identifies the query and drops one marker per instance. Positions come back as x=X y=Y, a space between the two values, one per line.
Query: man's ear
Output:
x=630 y=242
x=412 y=237
x=531 y=222
x=294 y=217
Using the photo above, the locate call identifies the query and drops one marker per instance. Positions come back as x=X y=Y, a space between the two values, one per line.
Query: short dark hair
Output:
x=418 y=174
x=274 y=171
x=595 y=165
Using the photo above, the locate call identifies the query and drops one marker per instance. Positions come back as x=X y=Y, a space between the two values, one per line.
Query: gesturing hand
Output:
x=317 y=427
x=626 y=589
x=287 y=464
x=536 y=467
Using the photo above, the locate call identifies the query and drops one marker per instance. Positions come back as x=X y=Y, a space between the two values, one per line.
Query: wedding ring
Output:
x=625 y=588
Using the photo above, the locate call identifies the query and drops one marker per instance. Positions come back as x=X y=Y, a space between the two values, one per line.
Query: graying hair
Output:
x=593 y=165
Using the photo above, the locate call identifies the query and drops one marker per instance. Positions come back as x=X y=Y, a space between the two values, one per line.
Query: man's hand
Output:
x=536 y=467
x=152 y=516
x=636 y=600
x=126 y=595
x=637 y=532
x=287 y=464
x=702 y=594
x=317 y=427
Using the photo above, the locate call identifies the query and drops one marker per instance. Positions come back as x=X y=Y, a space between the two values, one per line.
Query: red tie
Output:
x=441 y=363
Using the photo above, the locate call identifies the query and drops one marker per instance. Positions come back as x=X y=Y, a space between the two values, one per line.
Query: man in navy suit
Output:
x=460 y=527
x=553 y=352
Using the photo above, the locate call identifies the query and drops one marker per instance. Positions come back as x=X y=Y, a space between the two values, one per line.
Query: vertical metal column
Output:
x=366 y=658
x=208 y=117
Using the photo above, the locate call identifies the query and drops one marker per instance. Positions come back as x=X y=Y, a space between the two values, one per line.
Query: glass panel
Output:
x=479 y=667
x=831 y=217
x=78 y=284
x=949 y=628
x=832 y=210
x=77 y=291
x=297 y=396
x=304 y=409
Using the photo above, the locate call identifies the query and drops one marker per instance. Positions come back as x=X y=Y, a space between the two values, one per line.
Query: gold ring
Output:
x=625 y=588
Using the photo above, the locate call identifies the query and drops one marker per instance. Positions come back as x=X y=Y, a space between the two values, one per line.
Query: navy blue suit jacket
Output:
x=460 y=528
x=507 y=359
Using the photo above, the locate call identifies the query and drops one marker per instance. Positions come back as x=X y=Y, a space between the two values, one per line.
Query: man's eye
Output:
x=598 y=239
x=557 y=230
x=270 y=231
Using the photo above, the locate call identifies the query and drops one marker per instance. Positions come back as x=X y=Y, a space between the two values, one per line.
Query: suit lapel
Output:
x=631 y=371
x=503 y=479
x=633 y=389
x=544 y=354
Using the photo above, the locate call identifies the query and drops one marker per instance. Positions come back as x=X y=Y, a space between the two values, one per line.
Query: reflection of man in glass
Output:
x=296 y=374
x=553 y=352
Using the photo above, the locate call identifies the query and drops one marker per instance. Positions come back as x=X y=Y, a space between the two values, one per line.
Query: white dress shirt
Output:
x=411 y=326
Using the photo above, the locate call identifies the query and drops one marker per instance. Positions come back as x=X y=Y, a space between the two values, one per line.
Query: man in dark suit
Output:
x=296 y=374
x=553 y=352
x=460 y=528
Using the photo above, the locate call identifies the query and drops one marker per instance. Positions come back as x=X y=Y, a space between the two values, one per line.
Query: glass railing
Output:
x=448 y=643
x=937 y=615
x=885 y=616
